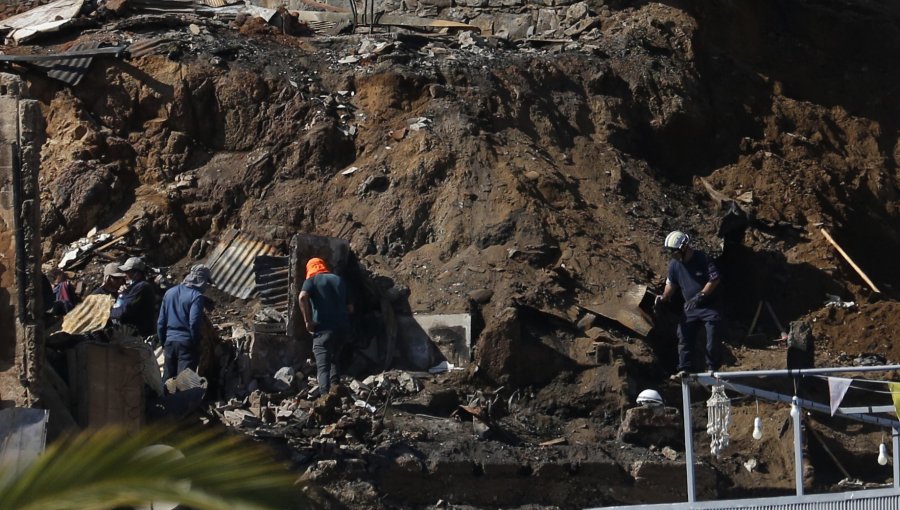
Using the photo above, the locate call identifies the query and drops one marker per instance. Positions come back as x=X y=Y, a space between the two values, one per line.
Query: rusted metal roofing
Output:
x=272 y=281
x=91 y=314
x=232 y=261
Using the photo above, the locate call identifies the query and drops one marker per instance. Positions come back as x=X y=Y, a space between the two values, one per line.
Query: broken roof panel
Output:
x=92 y=314
x=46 y=18
x=68 y=67
x=272 y=281
x=232 y=264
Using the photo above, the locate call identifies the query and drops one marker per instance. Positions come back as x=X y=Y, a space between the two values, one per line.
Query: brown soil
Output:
x=548 y=177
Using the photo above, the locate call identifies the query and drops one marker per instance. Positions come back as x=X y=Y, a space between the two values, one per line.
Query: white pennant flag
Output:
x=838 y=387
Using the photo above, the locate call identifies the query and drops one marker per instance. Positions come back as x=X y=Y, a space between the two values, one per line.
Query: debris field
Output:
x=496 y=179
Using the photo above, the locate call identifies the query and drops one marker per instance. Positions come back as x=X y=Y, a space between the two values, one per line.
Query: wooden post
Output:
x=849 y=260
x=775 y=318
x=755 y=318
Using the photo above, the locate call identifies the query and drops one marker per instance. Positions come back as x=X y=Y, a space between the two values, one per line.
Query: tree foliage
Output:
x=114 y=468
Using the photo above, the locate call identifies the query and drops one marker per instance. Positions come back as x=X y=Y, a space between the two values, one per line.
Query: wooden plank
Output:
x=849 y=260
x=755 y=318
x=110 y=386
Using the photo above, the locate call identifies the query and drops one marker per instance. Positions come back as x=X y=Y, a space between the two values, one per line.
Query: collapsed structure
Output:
x=495 y=189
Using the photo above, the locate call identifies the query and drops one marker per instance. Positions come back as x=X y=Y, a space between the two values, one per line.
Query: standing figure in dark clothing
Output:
x=136 y=305
x=325 y=306
x=64 y=296
x=180 y=321
x=113 y=279
x=695 y=274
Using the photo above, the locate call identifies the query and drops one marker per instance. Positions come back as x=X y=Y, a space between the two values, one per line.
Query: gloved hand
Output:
x=657 y=304
x=699 y=299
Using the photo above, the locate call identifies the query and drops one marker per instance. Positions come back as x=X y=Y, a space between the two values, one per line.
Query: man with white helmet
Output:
x=695 y=274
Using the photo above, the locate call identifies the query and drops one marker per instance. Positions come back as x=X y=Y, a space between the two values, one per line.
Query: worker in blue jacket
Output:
x=695 y=274
x=180 y=322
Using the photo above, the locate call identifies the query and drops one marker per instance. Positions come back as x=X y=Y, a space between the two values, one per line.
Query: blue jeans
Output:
x=325 y=348
x=687 y=335
x=179 y=355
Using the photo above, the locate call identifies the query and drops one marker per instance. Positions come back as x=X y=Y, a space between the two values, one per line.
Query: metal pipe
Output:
x=688 y=439
x=778 y=397
x=895 y=440
x=799 y=372
x=796 y=413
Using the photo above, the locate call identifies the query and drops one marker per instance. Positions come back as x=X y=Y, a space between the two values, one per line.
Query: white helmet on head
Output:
x=649 y=398
x=676 y=240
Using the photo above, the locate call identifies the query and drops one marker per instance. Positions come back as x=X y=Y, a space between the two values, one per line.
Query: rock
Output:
x=511 y=26
x=647 y=426
x=547 y=21
x=669 y=453
x=510 y=354
x=116 y=6
x=437 y=91
x=595 y=333
x=582 y=26
x=194 y=29
x=481 y=296
x=587 y=322
x=577 y=12
x=750 y=465
x=441 y=4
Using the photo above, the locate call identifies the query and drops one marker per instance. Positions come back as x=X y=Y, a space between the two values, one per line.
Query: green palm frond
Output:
x=110 y=468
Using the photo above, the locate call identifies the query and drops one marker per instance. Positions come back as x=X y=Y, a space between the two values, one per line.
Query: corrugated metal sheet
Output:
x=69 y=66
x=232 y=261
x=70 y=70
x=872 y=499
x=23 y=434
x=91 y=314
x=272 y=281
x=221 y=3
x=159 y=45
x=45 y=18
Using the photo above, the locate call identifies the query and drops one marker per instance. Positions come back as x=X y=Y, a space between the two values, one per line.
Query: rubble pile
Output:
x=496 y=178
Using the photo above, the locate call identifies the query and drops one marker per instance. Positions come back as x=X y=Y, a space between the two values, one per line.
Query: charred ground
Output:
x=547 y=176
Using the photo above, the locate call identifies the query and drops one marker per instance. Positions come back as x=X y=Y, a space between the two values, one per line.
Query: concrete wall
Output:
x=21 y=301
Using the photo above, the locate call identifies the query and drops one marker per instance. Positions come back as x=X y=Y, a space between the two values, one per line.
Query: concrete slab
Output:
x=23 y=434
x=451 y=333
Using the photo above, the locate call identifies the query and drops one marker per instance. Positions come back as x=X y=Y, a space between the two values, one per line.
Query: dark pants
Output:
x=325 y=348
x=687 y=334
x=179 y=355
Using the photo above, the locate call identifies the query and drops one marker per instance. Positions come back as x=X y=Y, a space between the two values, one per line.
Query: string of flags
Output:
x=838 y=386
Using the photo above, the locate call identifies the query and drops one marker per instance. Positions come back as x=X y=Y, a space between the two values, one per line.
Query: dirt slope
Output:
x=548 y=177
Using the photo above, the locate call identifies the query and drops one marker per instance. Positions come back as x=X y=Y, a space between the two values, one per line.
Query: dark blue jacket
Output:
x=181 y=316
x=137 y=306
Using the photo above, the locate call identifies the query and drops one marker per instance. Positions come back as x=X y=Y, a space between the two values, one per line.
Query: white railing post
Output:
x=688 y=439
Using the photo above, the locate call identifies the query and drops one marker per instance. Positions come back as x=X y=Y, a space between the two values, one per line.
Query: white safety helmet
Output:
x=676 y=240
x=649 y=398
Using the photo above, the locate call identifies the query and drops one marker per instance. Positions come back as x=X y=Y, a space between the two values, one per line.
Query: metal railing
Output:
x=862 y=499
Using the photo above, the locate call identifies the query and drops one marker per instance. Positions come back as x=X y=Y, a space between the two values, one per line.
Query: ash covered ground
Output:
x=522 y=182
